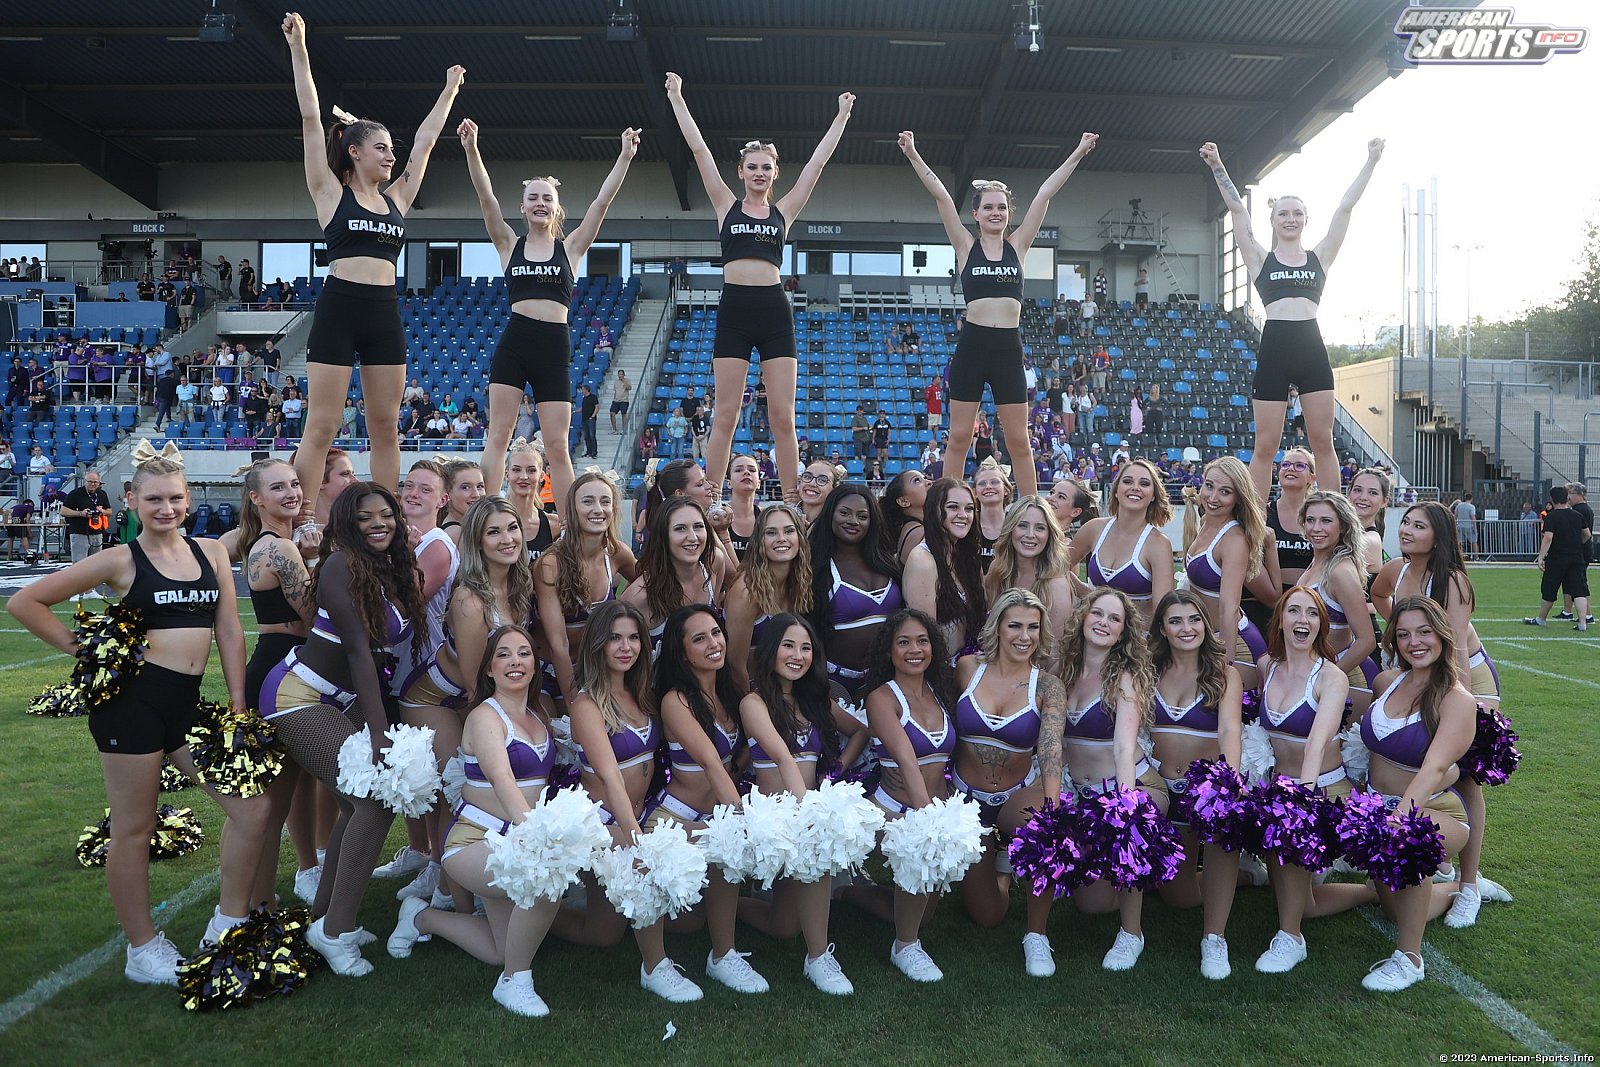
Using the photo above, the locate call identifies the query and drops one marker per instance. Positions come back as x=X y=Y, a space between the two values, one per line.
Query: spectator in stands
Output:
x=700 y=431
x=860 y=432
x=933 y=398
x=982 y=446
x=225 y=276
x=621 y=390
x=412 y=422
x=254 y=409
x=769 y=471
x=16 y=383
x=807 y=453
x=880 y=438
x=1102 y=287
x=223 y=368
x=347 y=418
x=1141 y=289
x=39 y=464
x=589 y=414
x=21 y=525
x=166 y=397
x=649 y=443
x=605 y=342
x=527 y=419
x=1086 y=315
x=187 y=300
x=294 y=407
x=247 y=387
x=218 y=394
x=8 y=465
x=463 y=426
x=184 y=395
x=1348 y=471
x=40 y=399
x=448 y=406
x=1030 y=378
x=1085 y=403
x=1467 y=525
x=437 y=427
x=268 y=360
x=415 y=393
x=247 y=280
x=1532 y=526
x=1155 y=411
x=1099 y=368
x=145 y=287
x=677 y=434
x=167 y=293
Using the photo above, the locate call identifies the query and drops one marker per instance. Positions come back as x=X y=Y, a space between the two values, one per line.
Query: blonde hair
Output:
x=1052 y=562
x=756 y=569
x=1158 y=512
x=1129 y=657
x=1247 y=511
x=759 y=146
x=989 y=636
x=148 y=463
x=558 y=218
x=990 y=185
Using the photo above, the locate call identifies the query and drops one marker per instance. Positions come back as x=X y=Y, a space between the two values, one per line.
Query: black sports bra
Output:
x=1278 y=282
x=272 y=607
x=743 y=237
x=168 y=603
x=355 y=231
x=550 y=279
x=982 y=277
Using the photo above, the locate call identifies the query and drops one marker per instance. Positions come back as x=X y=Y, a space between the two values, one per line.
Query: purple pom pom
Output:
x=1053 y=852
x=1399 y=851
x=1142 y=849
x=1493 y=754
x=1250 y=704
x=1217 y=804
x=1294 y=823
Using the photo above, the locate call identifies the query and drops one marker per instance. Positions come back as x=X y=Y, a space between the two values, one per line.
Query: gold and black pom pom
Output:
x=110 y=651
x=177 y=833
x=173 y=780
x=236 y=752
x=265 y=956
x=61 y=701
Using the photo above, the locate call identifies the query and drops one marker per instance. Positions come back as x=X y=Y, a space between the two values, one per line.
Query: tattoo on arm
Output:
x=291 y=575
x=1225 y=183
x=405 y=176
x=1052 y=723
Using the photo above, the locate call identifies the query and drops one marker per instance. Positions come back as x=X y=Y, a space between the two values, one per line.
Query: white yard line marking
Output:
x=32 y=662
x=42 y=991
x=1546 y=674
x=1528 y=1033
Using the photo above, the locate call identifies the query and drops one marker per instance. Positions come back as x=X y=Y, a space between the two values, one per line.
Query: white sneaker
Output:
x=515 y=994
x=1002 y=863
x=1445 y=874
x=406 y=933
x=216 y=926
x=1214 y=958
x=1493 y=892
x=1037 y=955
x=153 y=963
x=1253 y=869
x=1464 y=908
x=441 y=900
x=1284 y=953
x=669 y=983
x=407 y=860
x=1393 y=974
x=424 y=885
x=732 y=971
x=1124 y=951
x=306 y=883
x=363 y=936
x=826 y=975
x=915 y=963
x=342 y=952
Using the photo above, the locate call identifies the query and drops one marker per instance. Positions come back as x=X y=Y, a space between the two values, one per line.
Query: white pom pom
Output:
x=661 y=874
x=726 y=843
x=1255 y=758
x=930 y=848
x=770 y=823
x=453 y=778
x=566 y=748
x=1146 y=744
x=1353 y=751
x=858 y=712
x=408 y=782
x=835 y=832
x=356 y=769
x=541 y=856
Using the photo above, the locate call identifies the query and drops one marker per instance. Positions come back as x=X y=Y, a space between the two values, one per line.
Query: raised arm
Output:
x=1052 y=725
x=1339 y=225
x=1254 y=255
x=717 y=190
x=1022 y=237
x=320 y=181
x=739 y=607
x=794 y=201
x=403 y=190
x=494 y=219
x=960 y=239
x=579 y=240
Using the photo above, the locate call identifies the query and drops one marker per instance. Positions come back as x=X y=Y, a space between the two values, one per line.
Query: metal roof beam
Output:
x=132 y=174
x=979 y=133
x=654 y=79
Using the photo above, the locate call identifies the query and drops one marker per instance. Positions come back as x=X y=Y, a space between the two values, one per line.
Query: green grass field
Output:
x=1540 y=954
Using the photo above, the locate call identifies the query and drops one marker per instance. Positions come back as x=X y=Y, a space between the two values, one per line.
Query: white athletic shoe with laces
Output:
x=342 y=952
x=1391 y=975
x=826 y=974
x=1214 y=962
x=407 y=861
x=424 y=885
x=1464 y=907
x=732 y=971
x=306 y=883
x=1037 y=955
x=1284 y=954
x=516 y=995
x=669 y=983
x=406 y=934
x=1493 y=892
x=153 y=963
x=915 y=963
x=1124 y=952
x=216 y=926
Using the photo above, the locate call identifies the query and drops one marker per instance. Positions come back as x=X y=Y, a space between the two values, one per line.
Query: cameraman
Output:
x=87 y=510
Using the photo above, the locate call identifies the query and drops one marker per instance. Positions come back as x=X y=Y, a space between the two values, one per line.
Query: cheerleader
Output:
x=989 y=351
x=1005 y=696
x=860 y=587
x=1072 y=503
x=535 y=351
x=1106 y=673
x=754 y=311
x=685 y=477
x=1416 y=733
x=1146 y=571
x=507 y=752
x=1303 y=694
x=816 y=482
x=792 y=728
x=774 y=579
x=908 y=696
x=699 y=705
x=525 y=476
x=992 y=487
x=173 y=582
x=363 y=224
x=1225 y=550
x=463 y=486
x=1031 y=554
x=1338 y=574
x=680 y=564
x=582 y=571
x=901 y=503
x=367 y=596
x=1368 y=493
x=944 y=578
x=618 y=735
x=1198 y=707
x=744 y=486
x=1289 y=279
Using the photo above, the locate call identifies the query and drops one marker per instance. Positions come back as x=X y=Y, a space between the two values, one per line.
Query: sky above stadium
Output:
x=1517 y=175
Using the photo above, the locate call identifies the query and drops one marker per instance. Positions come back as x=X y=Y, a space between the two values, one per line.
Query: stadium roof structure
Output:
x=126 y=89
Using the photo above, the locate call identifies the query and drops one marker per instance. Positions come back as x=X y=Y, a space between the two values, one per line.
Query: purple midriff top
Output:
x=804 y=747
x=1131 y=577
x=1205 y=576
x=629 y=746
x=530 y=763
x=852 y=607
x=1406 y=744
x=1295 y=722
x=929 y=748
x=1017 y=732
x=1090 y=724
x=1198 y=717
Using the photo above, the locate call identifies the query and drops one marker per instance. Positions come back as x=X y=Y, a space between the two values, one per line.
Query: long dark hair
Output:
x=894 y=518
x=673 y=674
x=671 y=478
x=663 y=592
x=341 y=135
x=374 y=576
x=591 y=674
x=1442 y=675
x=1213 y=659
x=810 y=703
x=957 y=560
x=875 y=553
x=483 y=687
x=939 y=675
x=1445 y=561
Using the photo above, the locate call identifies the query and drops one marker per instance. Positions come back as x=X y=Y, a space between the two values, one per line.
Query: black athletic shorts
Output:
x=1567 y=572
x=1291 y=353
x=537 y=354
x=354 y=320
x=270 y=651
x=754 y=317
x=988 y=355
x=152 y=713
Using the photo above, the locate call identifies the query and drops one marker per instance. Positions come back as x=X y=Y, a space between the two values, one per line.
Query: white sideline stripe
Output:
x=32 y=662
x=1546 y=674
x=42 y=991
x=1529 y=1034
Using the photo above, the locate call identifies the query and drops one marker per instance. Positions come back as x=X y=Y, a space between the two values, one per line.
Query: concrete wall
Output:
x=1361 y=387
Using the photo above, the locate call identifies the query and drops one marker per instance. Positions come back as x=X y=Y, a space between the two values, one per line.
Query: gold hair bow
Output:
x=990 y=183
x=344 y=116
x=442 y=459
x=613 y=475
x=650 y=472
x=554 y=183
x=144 y=452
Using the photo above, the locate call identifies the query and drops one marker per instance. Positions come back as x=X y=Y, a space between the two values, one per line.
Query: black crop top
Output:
x=549 y=279
x=746 y=238
x=543 y=538
x=1278 y=282
x=272 y=607
x=167 y=603
x=1294 y=551
x=981 y=277
x=355 y=231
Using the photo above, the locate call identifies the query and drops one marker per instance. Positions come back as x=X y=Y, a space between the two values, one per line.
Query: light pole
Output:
x=1466 y=354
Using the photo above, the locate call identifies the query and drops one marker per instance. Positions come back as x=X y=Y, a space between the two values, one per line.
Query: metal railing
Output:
x=644 y=389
